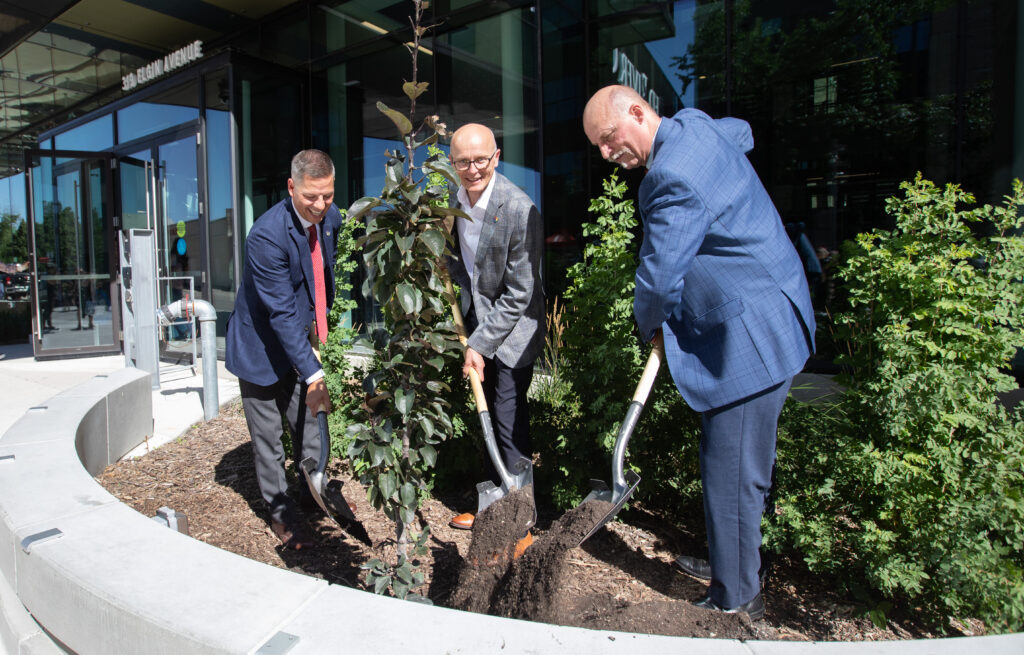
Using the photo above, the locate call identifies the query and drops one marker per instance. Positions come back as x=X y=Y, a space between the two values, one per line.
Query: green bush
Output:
x=910 y=488
x=339 y=371
x=596 y=361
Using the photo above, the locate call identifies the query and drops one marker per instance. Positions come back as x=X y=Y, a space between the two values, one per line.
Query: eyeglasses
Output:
x=480 y=162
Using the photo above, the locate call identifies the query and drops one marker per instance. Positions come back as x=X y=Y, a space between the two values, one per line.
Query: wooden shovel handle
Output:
x=460 y=329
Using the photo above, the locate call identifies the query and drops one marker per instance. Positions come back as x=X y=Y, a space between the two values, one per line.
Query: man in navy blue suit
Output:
x=279 y=322
x=719 y=281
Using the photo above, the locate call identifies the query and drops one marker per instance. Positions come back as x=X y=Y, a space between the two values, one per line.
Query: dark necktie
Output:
x=319 y=290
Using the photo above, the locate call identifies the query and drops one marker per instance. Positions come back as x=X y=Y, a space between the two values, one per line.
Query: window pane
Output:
x=162 y=111
x=221 y=210
x=94 y=136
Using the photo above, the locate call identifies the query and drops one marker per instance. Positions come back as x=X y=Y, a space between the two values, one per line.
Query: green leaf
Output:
x=387 y=482
x=407 y=496
x=415 y=90
x=397 y=117
x=442 y=167
x=404 y=401
x=400 y=589
x=380 y=585
x=407 y=297
x=405 y=242
x=361 y=206
x=450 y=211
x=435 y=240
x=429 y=455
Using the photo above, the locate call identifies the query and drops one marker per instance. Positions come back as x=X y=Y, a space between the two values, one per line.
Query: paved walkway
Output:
x=177 y=404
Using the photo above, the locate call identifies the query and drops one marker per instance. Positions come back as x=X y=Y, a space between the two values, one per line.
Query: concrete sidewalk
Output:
x=177 y=404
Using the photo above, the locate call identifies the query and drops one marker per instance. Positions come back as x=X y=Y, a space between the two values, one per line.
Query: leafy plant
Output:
x=406 y=413
x=339 y=371
x=596 y=368
x=910 y=488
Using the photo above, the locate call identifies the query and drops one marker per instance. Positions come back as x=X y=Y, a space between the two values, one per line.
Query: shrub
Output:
x=910 y=488
x=339 y=371
x=598 y=364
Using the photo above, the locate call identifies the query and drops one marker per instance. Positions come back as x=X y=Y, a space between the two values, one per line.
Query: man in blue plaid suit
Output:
x=497 y=265
x=719 y=281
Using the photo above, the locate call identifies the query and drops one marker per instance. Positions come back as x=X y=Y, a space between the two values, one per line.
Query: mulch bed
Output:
x=622 y=578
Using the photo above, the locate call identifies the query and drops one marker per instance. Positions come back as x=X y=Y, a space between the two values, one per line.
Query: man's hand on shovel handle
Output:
x=317 y=397
x=473 y=360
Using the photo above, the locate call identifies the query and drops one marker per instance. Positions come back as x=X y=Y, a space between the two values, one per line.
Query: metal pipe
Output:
x=207 y=317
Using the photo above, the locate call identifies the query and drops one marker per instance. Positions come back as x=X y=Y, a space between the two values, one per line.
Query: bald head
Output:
x=475 y=155
x=473 y=133
x=621 y=124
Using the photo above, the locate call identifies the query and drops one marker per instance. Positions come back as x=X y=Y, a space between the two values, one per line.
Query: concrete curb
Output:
x=80 y=571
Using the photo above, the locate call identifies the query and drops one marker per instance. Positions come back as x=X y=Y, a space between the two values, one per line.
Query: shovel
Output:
x=623 y=485
x=327 y=493
x=521 y=474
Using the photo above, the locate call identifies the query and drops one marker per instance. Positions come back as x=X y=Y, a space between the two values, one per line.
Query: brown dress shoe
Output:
x=462 y=521
x=291 y=536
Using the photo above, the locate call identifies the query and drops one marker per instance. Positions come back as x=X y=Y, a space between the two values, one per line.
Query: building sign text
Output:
x=634 y=79
x=151 y=71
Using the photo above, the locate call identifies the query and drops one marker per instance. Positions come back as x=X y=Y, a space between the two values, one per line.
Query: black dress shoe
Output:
x=754 y=608
x=698 y=568
x=701 y=568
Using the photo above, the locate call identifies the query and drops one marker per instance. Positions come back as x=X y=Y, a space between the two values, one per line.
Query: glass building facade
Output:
x=846 y=100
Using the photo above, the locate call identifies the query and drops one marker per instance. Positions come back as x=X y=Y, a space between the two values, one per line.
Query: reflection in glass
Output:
x=94 y=136
x=159 y=112
x=134 y=180
x=221 y=209
x=71 y=221
x=491 y=67
x=13 y=228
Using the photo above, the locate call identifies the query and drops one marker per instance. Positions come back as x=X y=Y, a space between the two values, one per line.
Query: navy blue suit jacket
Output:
x=717 y=271
x=268 y=332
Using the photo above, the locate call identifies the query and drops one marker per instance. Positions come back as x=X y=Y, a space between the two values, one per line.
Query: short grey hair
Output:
x=311 y=164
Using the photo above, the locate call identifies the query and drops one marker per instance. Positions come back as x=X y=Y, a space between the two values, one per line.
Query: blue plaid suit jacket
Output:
x=717 y=271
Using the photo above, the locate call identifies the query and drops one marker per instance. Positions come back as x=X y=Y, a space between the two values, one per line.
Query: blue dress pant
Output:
x=737 y=455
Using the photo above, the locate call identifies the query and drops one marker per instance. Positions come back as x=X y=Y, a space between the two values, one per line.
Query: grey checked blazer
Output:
x=507 y=291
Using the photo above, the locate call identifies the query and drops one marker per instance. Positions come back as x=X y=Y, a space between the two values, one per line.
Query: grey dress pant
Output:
x=264 y=408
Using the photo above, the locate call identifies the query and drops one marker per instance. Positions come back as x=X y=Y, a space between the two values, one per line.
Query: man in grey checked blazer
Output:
x=720 y=282
x=497 y=264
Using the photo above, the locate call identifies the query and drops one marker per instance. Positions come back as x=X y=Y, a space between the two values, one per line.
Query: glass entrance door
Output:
x=70 y=230
x=168 y=172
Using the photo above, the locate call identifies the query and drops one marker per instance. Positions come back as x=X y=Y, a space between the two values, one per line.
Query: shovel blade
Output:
x=598 y=491
x=616 y=497
x=314 y=479
x=487 y=493
x=330 y=499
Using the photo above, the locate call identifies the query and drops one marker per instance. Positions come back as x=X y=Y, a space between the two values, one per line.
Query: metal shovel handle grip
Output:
x=507 y=481
x=643 y=390
x=325 y=439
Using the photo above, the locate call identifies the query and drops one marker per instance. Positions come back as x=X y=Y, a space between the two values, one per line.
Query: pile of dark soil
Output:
x=622 y=578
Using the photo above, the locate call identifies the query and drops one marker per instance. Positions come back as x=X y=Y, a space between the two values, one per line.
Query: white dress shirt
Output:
x=469 y=231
